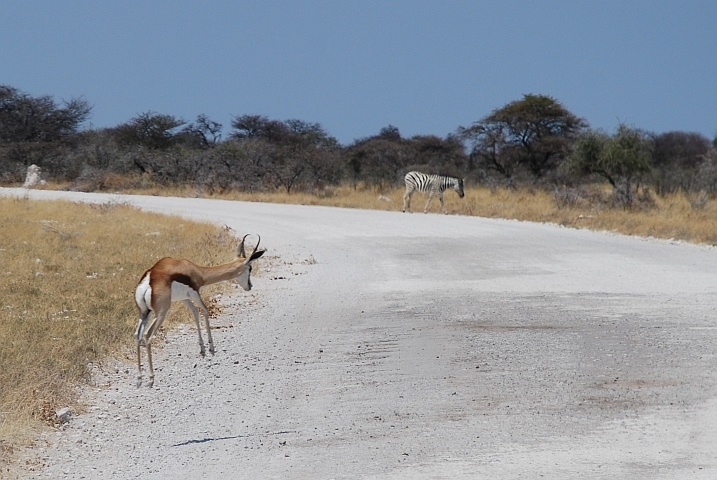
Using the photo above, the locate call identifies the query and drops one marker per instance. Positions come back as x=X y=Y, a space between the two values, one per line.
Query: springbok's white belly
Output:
x=181 y=292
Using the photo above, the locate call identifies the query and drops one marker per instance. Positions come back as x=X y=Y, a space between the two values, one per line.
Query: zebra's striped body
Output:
x=431 y=185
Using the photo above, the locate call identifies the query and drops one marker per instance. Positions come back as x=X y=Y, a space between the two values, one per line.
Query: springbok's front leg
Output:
x=195 y=313
x=198 y=300
x=209 y=327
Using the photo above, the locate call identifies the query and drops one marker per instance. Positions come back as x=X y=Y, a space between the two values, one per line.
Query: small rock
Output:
x=64 y=414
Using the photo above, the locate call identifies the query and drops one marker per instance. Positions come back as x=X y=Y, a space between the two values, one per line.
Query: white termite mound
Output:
x=33 y=179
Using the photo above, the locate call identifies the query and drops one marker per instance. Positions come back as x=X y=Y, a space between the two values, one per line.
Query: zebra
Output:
x=432 y=185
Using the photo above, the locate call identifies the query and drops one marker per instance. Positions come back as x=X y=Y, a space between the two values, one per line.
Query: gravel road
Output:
x=408 y=346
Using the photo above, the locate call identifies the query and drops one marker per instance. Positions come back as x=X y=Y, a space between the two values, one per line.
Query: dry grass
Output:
x=676 y=216
x=68 y=276
x=671 y=217
x=691 y=218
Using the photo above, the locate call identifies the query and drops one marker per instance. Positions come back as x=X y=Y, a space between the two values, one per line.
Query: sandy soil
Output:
x=409 y=346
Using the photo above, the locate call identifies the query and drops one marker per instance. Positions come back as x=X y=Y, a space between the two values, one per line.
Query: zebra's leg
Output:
x=443 y=208
x=430 y=197
x=407 y=200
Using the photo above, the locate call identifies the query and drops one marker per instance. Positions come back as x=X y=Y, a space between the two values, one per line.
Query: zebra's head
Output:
x=458 y=187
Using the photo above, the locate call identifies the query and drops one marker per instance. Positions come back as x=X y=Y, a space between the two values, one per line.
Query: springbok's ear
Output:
x=254 y=256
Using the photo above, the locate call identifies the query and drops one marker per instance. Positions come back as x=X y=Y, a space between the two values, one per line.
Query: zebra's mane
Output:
x=440 y=174
x=448 y=176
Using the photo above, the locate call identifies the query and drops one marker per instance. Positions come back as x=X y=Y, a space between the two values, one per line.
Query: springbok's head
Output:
x=458 y=187
x=244 y=276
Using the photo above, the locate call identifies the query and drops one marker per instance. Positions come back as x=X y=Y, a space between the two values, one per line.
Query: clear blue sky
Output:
x=425 y=67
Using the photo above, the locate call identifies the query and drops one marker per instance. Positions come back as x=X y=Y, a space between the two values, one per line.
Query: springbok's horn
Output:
x=240 y=249
x=257 y=244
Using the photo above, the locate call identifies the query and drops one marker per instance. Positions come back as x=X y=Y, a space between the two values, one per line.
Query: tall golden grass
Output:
x=678 y=216
x=68 y=276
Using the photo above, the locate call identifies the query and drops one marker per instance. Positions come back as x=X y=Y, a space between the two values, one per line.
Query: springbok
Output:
x=171 y=280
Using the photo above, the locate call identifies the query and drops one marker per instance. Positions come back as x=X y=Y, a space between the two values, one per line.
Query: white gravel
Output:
x=410 y=346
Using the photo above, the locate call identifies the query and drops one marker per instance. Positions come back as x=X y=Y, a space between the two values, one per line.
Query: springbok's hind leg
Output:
x=139 y=337
x=146 y=344
x=147 y=338
x=149 y=362
x=139 y=365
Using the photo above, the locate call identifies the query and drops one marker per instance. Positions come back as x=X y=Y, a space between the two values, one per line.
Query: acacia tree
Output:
x=381 y=159
x=153 y=130
x=444 y=156
x=37 y=130
x=204 y=133
x=532 y=134
x=621 y=159
x=299 y=154
x=24 y=118
x=317 y=150
x=235 y=165
x=147 y=138
x=259 y=126
x=677 y=157
x=305 y=155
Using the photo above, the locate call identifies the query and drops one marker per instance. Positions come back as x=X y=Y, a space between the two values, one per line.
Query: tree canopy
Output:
x=533 y=134
x=532 y=140
x=24 y=118
x=37 y=130
x=621 y=158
